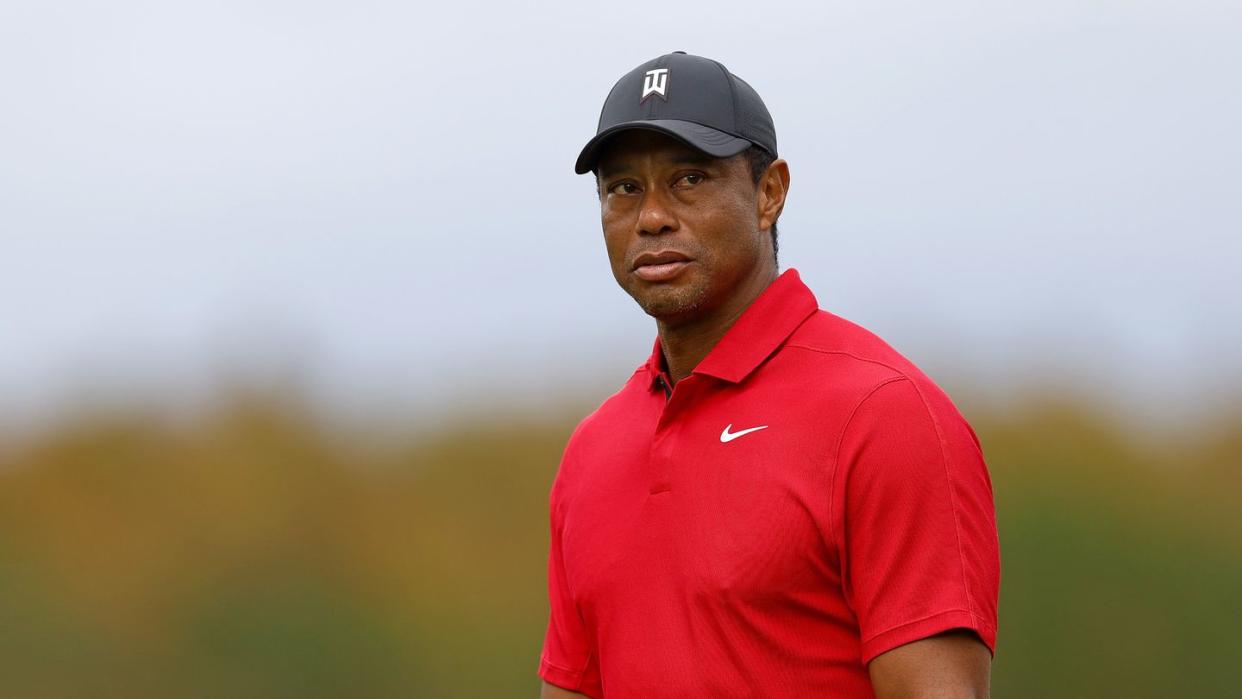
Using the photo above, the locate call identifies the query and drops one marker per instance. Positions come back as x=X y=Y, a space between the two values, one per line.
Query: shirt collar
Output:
x=765 y=324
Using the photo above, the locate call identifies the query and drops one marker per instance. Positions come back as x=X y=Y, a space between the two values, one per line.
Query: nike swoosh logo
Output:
x=726 y=436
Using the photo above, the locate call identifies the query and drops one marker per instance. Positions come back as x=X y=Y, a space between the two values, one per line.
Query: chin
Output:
x=671 y=303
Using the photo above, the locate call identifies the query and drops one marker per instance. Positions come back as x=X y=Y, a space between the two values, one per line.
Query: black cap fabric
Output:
x=691 y=98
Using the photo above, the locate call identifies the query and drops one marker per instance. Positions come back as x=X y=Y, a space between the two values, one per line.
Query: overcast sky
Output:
x=379 y=197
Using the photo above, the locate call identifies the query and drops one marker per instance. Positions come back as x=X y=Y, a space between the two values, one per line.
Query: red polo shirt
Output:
x=805 y=500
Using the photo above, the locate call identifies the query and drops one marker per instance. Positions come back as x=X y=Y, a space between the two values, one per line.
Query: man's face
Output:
x=697 y=215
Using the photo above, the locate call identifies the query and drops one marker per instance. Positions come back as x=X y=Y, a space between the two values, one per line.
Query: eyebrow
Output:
x=700 y=159
x=686 y=158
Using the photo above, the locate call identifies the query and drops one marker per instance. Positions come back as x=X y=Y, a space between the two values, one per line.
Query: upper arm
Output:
x=951 y=665
x=568 y=657
x=917 y=528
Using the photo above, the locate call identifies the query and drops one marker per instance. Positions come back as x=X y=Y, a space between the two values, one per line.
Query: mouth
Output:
x=660 y=266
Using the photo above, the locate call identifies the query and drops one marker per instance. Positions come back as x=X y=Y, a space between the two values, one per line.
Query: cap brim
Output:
x=714 y=142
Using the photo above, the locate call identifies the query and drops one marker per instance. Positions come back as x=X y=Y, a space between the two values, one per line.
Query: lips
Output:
x=660 y=266
x=659 y=258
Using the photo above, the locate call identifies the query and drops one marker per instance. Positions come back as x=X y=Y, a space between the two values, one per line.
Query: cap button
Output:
x=681 y=52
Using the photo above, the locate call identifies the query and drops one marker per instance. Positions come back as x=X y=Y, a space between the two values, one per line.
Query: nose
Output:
x=656 y=216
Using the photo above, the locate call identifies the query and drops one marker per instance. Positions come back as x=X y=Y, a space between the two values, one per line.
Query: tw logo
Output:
x=654 y=83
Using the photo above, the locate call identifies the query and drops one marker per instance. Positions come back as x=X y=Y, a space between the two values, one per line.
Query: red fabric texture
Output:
x=685 y=561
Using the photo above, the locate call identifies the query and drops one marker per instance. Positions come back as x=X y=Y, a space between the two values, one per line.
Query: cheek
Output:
x=614 y=217
x=616 y=239
x=731 y=222
x=739 y=208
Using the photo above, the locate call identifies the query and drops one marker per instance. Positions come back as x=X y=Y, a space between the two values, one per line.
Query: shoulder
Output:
x=862 y=365
x=598 y=427
x=849 y=345
x=616 y=409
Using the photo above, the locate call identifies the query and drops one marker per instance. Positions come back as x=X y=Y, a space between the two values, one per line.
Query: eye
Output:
x=690 y=179
x=623 y=188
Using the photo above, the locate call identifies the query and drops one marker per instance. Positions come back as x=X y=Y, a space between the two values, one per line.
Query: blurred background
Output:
x=299 y=303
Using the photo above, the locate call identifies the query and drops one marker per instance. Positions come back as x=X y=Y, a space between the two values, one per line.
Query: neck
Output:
x=685 y=344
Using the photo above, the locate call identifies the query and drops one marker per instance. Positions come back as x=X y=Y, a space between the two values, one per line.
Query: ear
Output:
x=773 y=187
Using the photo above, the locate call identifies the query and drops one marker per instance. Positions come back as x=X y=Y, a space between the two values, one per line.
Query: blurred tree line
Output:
x=256 y=551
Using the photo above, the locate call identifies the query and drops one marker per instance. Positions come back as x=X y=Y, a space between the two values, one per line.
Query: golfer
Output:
x=776 y=503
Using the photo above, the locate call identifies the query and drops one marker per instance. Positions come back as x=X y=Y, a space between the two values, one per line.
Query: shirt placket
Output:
x=673 y=413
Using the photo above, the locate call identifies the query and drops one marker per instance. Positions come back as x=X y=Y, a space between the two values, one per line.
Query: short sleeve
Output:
x=917 y=527
x=568 y=660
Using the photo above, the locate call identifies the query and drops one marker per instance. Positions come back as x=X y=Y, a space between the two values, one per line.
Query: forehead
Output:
x=636 y=146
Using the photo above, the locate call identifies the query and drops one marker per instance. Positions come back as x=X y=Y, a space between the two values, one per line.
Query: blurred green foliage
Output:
x=254 y=552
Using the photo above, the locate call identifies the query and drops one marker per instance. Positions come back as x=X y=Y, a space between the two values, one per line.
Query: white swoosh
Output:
x=726 y=437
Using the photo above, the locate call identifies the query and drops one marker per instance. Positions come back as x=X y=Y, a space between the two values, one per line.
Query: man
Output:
x=777 y=503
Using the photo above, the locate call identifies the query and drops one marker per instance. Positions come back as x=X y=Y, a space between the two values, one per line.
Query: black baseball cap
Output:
x=691 y=98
